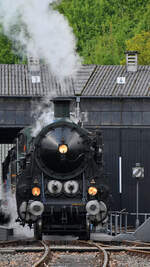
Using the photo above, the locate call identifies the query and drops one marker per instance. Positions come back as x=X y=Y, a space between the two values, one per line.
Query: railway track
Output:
x=49 y=254
x=26 y=253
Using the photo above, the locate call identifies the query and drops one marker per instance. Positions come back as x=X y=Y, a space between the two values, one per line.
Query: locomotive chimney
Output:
x=61 y=108
x=131 y=61
x=34 y=69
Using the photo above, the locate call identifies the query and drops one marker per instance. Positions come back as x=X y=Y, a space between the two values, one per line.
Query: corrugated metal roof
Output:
x=15 y=80
x=90 y=80
x=82 y=77
x=103 y=82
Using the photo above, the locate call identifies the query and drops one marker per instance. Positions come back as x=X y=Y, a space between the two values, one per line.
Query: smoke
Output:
x=19 y=230
x=38 y=30
x=43 y=115
x=42 y=32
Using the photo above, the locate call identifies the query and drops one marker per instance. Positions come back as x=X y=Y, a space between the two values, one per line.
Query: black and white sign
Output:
x=138 y=172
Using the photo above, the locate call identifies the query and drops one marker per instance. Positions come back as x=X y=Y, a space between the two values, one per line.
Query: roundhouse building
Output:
x=115 y=99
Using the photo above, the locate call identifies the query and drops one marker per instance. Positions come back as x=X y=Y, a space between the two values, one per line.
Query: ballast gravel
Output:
x=75 y=260
x=120 y=259
x=124 y=259
x=19 y=259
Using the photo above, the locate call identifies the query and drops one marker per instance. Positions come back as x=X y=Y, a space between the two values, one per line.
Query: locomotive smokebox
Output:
x=61 y=108
x=62 y=149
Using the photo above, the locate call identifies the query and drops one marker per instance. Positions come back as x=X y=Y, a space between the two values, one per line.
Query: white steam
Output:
x=19 y=230
x=43 y=32
x=38 y=30
x=43 y=115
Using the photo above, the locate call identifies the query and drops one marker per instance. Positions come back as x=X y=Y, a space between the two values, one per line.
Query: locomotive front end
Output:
x=62 y=153
x=67 y=157
x=60 y=188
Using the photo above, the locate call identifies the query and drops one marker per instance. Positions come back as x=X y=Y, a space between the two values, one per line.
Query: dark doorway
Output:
x=7 y=135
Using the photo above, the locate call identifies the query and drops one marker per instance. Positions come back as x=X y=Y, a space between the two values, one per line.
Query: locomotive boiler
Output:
x=60 y=185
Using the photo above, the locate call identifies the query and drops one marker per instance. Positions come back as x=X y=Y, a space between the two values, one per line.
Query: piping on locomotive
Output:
x=60 y=186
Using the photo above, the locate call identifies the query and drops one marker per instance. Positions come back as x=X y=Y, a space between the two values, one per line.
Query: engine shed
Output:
x=115 y=99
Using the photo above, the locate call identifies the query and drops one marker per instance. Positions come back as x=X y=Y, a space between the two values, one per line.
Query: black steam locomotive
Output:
x=59 y=180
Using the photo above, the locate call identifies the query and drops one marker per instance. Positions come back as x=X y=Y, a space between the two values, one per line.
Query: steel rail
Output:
x=17 y=241
x=72 y=249
x=136 y=243
x=21 y=249
x=105 y=259
x=138 y=251
x=38 y=263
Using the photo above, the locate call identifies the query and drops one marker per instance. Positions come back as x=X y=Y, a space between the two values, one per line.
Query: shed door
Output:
x=133 y=145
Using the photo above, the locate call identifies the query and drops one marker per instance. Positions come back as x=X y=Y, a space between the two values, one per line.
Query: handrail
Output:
x=118 y=220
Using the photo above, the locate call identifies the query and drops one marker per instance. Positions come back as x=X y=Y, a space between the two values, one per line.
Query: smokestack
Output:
x=62 y=108
x=131 y=61
x=34 y=69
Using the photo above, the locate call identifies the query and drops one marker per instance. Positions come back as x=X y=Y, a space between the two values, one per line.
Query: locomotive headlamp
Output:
x=63 y=149
x=71 y=187
x=36 y=191
x=92 y=191
x=54 y=187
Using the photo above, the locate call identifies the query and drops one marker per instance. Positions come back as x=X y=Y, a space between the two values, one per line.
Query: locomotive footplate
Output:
x=64 y=220
x=66 y=230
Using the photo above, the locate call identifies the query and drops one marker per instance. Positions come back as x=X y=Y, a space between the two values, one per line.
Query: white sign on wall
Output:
x=36 y=79
x=121 y=80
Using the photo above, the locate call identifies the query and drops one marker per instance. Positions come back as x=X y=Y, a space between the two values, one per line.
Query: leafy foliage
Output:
x=141 y=43
x=104 y=29
x=7 y=53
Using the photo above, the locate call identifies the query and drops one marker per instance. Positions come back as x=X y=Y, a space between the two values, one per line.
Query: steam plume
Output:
x=42 y=31
x=43 y=115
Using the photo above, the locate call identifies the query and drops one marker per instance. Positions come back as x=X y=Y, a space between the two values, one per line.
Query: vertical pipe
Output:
x=120 y=175
x=111 y=223
x=116 y=224
x=84 y=196
x=120 y=181
x=17 y=156
x=78 y=108
x=120 y=223
x=137 y=203
x=43 y=194
x=126 y=222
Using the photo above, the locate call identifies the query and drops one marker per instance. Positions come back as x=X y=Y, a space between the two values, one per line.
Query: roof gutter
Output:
x=74 y=97
x=114 y=97
x=21 y=96
x=106 y=97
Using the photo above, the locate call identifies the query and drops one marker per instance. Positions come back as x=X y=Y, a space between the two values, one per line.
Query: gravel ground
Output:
x=67 y=259
x=19 y=259
x=124 y=259
x=75 y=260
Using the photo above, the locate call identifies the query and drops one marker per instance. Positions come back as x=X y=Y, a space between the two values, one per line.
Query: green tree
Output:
x=141 y=43
x=144 y=22
x=101 y=27
x=7 y=56
x=97 y=41
x=106 y=50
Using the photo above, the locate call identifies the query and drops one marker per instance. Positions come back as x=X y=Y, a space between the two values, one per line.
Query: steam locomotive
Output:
x=59 y=179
